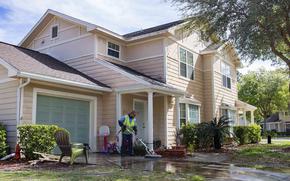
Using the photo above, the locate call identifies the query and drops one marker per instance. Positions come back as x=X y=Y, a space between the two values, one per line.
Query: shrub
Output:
x=204 y=139
x=189 y=133
x=241 y=134
x=254 y=132
x=248 y=134
x=3 y=143
x=36 y=138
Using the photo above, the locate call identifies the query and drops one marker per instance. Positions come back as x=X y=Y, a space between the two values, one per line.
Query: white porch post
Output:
x=177 y=102
x=118 y=114
x=252 y=117
x=245 y=117
x=150 y=120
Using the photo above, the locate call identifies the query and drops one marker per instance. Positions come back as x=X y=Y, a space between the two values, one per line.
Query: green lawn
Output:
x=95 y=173
x=264 y=155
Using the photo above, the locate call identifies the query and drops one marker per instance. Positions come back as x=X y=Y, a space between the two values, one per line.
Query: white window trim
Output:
x=57 y=35
x=107 y=52
x=187 y=112
x=93 y=109
x=223 y=62
x=179 y=61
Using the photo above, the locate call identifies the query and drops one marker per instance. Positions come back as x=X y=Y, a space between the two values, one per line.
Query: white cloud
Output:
x=121 y=16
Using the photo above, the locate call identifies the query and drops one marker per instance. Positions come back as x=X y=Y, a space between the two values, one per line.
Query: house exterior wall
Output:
x=8 y=105
x=221 y=93
x=72 y=41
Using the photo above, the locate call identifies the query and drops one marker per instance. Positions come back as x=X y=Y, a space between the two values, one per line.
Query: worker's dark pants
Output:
x=127 y=144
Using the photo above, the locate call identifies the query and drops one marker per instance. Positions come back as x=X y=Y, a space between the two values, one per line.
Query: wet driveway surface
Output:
x=211 y=171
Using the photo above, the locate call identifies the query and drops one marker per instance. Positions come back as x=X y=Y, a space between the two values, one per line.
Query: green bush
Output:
x=254 y=132
x=189 y=134
x=241 y=133
x=204 y=138
x=36 y=138
x=3 y=143
x=248 y=134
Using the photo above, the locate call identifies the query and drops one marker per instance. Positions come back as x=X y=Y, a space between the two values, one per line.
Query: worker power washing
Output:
x=128 y=126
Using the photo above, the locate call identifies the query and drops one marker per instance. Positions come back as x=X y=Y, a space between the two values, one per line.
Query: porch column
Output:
x=118 y=114
x=245 y=117
x=252 y=117
x=177 y=112
x=150 y=120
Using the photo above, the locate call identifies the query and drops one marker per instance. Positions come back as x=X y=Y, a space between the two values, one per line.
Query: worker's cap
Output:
x=133 y=113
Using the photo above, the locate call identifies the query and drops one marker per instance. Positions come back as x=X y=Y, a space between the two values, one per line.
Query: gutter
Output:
x=19 y=99
x=62 y=81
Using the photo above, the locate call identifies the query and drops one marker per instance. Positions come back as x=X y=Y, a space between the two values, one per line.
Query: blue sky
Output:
x=17 y=17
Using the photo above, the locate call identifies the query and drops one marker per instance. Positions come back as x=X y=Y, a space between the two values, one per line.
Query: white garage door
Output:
x=73 y=115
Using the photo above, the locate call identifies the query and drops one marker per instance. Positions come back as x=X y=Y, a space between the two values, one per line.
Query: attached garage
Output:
x=74 y=112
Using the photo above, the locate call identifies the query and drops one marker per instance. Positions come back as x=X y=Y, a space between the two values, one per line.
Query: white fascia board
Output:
x=142 y=88
x=62 y=81
x=12 y=71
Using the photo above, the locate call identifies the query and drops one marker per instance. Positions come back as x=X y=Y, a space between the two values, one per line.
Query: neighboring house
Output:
x=279 y=121
x=80 y=76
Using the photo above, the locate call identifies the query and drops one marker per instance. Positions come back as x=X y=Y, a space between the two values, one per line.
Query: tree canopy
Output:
x=260 y=29
x=267 y=90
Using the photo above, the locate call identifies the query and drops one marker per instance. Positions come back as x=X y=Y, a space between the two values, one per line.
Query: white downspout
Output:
x=19 y=99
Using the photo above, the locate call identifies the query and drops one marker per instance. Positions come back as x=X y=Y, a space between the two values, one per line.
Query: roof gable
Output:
x=30 y=62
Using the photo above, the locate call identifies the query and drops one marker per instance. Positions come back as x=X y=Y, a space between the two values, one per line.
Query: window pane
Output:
x=113 y=53
x=190 y=58
x=224 y=80
x=182 y=111
x=225 y=69
x=228 y=82
x=113 y=46
x=182 y=122
x=54 y=31
x=193 y=113
x=190 y=72
x=182 y=69
x=182 y=55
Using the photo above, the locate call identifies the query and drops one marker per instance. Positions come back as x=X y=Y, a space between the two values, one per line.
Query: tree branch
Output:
x=284 y=36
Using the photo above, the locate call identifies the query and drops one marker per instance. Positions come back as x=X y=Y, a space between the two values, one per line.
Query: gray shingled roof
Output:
x=213 y=46
x=273 y=118
x=144 y=77
x=30 y=61
x=153 y=29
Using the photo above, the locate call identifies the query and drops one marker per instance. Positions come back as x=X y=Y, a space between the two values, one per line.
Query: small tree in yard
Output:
x=220 y=129
x=267 y=90
x=260 y=29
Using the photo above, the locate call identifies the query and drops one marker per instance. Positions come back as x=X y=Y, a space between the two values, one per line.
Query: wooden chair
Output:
x=68 y=149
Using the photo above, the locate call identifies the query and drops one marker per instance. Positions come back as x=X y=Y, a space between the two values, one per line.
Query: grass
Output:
x=95 y=173
x=264 y=156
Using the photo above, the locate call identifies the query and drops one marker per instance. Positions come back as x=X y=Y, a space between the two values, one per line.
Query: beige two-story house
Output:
x=81 y=76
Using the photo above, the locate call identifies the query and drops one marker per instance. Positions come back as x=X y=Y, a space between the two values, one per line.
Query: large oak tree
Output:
x=260 y=29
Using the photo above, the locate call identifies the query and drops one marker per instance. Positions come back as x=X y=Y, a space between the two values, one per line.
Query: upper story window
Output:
x=189 y=113
x=113 y=50
x=186 y=64
x=226 y=75
x=54 y=31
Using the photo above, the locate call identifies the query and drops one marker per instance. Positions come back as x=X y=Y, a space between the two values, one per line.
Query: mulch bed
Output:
x=13 y=165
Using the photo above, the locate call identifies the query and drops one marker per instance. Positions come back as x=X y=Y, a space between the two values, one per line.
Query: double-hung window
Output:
x=189 y=113
x=226 y=75
x=113 y=50
x=54 y=31
x=186 y=64
x=231 y=114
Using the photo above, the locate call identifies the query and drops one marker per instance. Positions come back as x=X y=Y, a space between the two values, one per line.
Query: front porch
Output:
x=157 y=114
x=242 y=110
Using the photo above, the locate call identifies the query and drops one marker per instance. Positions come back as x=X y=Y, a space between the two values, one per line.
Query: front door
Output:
x=140 y=106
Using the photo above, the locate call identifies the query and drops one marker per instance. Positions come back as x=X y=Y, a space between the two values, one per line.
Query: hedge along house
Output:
x=81 y=76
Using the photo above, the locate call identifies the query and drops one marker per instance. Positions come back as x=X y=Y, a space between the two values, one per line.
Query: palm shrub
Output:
x=220 y=129
x=3 y=143
x=203 y=138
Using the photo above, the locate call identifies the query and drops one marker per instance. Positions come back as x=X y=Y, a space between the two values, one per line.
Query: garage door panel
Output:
x=73 y=115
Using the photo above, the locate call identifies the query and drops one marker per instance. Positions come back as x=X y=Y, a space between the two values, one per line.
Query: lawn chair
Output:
x=68 y=149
